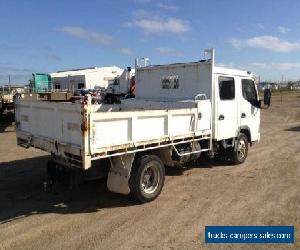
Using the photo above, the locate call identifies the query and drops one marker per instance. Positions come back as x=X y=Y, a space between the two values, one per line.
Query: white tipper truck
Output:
x=180 y=111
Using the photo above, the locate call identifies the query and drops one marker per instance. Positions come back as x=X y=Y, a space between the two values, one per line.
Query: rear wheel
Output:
x=147 y=178
x=240 y=151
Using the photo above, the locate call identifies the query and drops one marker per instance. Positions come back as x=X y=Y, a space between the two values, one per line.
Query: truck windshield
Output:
x=249 y=90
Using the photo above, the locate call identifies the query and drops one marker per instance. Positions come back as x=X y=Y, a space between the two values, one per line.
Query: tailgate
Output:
x=52 y=126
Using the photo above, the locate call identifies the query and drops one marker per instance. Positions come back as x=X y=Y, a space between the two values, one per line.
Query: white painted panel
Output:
x=59 y=122
x=193 y=79
x=24 y=117
x=226 y=128
x=113 y=128
x=71 y=127
x=181 y=124
x=45 y=121
x=149 y=128
x=111 y=132
x=204 y=123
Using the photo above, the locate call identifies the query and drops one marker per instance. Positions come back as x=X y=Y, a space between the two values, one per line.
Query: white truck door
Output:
x=226 y=115
x=250 y=115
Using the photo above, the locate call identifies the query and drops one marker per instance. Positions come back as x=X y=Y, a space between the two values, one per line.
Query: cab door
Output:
x=226 y=110
x=249 y=114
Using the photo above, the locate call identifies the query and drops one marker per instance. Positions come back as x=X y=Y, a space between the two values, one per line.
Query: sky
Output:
x=43 y=36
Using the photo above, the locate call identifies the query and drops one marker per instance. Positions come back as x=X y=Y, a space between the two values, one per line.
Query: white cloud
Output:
x=126 y=51
x=91 y=36
x=167 y=7
x=230 y=66
x=268 y=70
x=237 y=43
x=284 y=66
x=168 y=52
x=258 y=65
x=276 y=66
x=141 y=13
x=160 y=25
x=283 y=30
x=266 y=42
x=260 y=26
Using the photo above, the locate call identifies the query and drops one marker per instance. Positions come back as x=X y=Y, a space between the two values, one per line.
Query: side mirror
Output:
x=256 y=103
x=267 y=100
x=267 y=97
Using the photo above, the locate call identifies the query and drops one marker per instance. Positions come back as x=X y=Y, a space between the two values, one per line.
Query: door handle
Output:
x=221 y=117
x=243 y=115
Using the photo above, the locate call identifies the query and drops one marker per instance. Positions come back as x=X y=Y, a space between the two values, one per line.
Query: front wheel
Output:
x=240 y=151
x=147 y=178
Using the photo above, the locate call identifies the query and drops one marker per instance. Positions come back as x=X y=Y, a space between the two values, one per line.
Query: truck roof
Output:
x=234 y=72
x=217 y=69
x=170 y=65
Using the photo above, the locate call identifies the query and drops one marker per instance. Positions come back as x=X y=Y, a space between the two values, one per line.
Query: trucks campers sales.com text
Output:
x=249 y=234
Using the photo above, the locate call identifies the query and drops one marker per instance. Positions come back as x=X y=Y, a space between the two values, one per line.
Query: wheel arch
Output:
x=246 y=130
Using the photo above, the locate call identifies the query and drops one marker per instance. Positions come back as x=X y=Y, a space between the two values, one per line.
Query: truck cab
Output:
x=235 y=97
x=236 y=111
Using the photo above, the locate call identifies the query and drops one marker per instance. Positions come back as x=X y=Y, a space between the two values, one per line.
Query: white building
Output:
x=88 y=78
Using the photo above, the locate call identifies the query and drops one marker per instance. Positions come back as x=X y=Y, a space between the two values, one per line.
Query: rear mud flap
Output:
x=119 y=174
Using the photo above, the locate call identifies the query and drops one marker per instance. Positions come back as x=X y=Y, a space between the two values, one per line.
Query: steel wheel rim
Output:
x=150 y=178
x=242 y=149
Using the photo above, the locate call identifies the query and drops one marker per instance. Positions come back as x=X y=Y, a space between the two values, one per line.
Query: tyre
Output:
x=240 y=151
x=147 y=178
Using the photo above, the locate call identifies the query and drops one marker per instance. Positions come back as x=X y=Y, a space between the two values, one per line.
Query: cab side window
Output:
x=226 y=88
x=248 y=90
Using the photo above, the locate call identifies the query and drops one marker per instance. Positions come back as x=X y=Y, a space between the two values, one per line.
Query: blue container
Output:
x=41 y=82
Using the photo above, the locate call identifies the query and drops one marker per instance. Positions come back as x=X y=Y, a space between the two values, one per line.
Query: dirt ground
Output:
x=265 y=190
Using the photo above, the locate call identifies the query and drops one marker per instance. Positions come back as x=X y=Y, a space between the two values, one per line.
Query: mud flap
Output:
x=119 y=174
